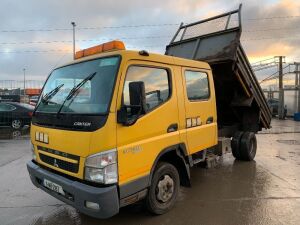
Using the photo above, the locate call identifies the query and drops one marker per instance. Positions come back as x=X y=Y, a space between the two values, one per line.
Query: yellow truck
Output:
x=115 y=126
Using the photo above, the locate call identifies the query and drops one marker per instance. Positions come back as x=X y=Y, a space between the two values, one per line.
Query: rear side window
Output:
x=156 y=82
x=6 y=108
x=197 y=85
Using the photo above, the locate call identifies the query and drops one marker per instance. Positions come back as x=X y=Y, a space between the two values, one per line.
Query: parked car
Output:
x=15 y=115
x=33 y=100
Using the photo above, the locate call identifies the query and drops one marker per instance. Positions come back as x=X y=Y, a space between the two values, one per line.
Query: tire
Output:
x=16 y=124
x=164 y=189
x=235 y=144
x=248 y=146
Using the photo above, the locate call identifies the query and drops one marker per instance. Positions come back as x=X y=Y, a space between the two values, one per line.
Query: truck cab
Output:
x=131 y=114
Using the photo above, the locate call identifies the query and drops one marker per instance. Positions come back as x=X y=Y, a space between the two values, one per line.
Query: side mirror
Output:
x=137 y=95
x=129 y=114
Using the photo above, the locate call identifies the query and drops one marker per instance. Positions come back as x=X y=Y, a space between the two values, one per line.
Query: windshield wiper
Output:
x=74 y=91
x=48 y=96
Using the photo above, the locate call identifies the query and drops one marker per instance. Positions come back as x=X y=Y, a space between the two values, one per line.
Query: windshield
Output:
x=93 y=97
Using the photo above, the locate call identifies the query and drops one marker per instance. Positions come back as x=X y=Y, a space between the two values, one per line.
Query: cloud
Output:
x=261 y=38
x=278 y=35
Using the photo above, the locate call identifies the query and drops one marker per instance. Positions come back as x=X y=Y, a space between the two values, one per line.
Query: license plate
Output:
x=53 y=186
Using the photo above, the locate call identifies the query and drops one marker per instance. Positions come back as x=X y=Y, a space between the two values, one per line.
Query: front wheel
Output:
x=164 y=189
x=16 y=123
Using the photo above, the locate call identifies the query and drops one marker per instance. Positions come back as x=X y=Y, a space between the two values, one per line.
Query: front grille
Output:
x=61 y=164
x=55 y=152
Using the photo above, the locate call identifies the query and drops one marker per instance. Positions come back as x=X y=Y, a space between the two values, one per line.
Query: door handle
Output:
x=209 y=120
x=172 y=128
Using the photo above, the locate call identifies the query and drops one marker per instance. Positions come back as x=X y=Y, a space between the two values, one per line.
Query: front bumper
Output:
x=78 y=193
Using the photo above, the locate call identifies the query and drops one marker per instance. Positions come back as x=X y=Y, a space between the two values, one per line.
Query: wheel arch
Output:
x=178 y=156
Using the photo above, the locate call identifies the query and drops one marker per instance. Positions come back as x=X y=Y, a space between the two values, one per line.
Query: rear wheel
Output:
x=244 y=145
x=16 y=123
x=164 y=189
x=235 y=144
x=248 y=146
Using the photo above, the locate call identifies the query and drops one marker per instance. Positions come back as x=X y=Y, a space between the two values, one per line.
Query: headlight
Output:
x=33 y=152
x=102 y=167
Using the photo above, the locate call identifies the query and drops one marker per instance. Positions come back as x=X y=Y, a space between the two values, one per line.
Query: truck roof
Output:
x=153 y=57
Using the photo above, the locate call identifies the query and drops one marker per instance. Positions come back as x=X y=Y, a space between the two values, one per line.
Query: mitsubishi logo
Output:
x=55 y=163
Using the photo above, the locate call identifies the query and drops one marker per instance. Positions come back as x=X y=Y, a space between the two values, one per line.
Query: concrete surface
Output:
x=266 y=191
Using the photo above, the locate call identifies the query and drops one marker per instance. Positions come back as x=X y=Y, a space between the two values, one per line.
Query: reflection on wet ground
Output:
x=7 y=133
x=266 y=191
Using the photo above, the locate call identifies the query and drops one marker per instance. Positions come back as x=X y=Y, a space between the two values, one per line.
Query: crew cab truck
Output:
x=115 y=126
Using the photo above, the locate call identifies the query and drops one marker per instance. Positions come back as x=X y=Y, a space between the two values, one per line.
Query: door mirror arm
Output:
x=122 y=115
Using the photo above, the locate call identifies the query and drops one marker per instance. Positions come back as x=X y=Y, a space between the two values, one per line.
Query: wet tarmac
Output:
x=266 y=191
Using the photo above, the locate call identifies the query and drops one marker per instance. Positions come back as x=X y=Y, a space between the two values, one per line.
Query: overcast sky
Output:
x=264 y=34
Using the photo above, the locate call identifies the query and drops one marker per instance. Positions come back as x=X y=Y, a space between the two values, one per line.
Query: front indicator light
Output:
x=94 y=174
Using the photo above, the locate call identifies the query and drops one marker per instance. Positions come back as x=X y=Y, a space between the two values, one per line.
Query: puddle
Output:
x=289 y=142
x=7 y=133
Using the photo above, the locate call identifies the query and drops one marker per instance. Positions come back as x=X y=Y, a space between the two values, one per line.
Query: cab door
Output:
x=200 y=105
x=156 y=129
x=6 y=113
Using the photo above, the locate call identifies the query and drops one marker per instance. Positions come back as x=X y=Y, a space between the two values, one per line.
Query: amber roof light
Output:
x=105 y=47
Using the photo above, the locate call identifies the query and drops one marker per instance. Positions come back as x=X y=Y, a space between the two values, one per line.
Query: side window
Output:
x=197 y=85
x=6 y=108
x=2 y=107
x=156 y=82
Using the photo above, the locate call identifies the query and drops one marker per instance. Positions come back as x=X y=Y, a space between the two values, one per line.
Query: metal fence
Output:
x=16 y=87
x=14 y=84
